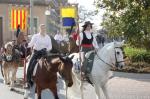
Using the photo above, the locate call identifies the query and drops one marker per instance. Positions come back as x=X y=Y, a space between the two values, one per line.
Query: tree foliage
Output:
x=128 y=18
x=85 y=14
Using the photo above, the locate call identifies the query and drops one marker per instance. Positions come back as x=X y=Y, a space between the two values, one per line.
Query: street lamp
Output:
x=47 y=12
x=31 y=16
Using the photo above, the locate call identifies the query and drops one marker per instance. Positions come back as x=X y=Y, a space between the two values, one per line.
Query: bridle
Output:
x=116 y=61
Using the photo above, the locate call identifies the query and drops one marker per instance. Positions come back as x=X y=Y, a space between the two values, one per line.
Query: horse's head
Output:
x=65 y=70
x=8 y=51
x=119 y=54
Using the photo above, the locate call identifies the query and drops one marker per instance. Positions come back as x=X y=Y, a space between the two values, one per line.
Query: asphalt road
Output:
x=122 y=86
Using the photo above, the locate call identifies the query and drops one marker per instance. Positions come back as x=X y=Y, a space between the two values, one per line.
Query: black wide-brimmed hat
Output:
x=87 y=23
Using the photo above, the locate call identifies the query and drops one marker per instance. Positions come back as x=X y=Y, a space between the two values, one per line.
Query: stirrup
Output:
x=27 y=86
x=83 y=76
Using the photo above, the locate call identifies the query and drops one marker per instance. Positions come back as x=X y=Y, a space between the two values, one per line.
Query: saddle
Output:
x=88 y=63
x=87 y=66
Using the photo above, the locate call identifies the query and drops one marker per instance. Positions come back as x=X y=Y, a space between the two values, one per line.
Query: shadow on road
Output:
x=17 y=91
x=1 y=80
x=19 y=83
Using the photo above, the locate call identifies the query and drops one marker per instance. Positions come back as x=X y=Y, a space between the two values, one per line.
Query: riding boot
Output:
x=31 y=66
x=83 y=75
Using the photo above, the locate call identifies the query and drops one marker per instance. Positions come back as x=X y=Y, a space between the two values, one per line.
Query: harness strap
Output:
x=103 y=60
x=108 y=63
x=5 y=59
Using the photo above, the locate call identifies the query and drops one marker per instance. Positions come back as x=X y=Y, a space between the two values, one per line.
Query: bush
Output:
x=137 y=55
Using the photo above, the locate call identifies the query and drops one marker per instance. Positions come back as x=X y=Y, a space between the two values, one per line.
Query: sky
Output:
x=88 y=4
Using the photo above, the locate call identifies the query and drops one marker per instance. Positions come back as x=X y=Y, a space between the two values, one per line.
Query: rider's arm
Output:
x=95 y=43
x=79 y=39
x=49 y=47
x=56 y=37
x=32 y=42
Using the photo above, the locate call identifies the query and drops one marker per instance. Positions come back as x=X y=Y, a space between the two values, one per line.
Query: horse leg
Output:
x=30 y=93
x=39 y=90
x=97 y=90
x=8 y=70
x=5 y=75
x=53 y=88
x=104 y=89
x=8 y=75
x=15 y=73
x=13 y=78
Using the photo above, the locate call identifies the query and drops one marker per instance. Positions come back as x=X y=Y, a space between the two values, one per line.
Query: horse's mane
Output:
x=107 y=46
x=8 y=44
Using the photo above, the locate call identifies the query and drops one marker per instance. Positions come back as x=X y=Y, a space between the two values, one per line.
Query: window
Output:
x=35 y=25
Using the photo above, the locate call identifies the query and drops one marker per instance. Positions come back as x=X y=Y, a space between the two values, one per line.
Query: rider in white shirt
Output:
x=58 y=37
x=41 y=44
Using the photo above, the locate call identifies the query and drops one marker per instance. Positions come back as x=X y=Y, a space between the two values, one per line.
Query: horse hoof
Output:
x=15 y=81
x=12 y=89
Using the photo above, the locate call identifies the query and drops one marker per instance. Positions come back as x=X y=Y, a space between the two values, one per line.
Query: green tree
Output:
x=128 y=18
x=85 y=14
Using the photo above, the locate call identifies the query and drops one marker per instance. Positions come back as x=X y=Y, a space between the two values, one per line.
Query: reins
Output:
x=111 y=65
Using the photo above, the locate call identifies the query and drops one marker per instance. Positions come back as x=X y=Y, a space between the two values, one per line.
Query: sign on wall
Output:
x=18 y=17
x=68 y=15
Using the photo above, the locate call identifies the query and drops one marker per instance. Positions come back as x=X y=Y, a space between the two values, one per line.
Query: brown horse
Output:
x=72 y=47
x=65 y=47
x=20 y=38
x=46 y=74
x=10 y=64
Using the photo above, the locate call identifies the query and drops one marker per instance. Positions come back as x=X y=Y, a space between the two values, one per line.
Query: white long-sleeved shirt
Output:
x=58 y=37
x=39 y=42
x=88 y=35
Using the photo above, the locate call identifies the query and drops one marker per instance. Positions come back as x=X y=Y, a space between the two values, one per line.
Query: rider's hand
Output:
x=44 y=49
x=96 y=49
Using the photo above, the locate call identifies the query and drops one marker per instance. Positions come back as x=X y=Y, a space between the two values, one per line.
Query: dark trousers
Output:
x=32 y=63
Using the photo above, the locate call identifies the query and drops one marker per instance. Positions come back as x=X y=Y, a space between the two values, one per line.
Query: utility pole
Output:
x=31 y=16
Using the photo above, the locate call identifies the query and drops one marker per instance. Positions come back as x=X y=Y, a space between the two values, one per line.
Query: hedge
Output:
x=137 y=55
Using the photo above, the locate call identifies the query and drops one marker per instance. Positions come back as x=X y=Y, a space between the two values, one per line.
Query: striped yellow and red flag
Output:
x=18 y=17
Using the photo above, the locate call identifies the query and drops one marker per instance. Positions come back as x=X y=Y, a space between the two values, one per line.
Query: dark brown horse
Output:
x=20 y=38
x=46 y=74
x=65 y=47
x=72 y=47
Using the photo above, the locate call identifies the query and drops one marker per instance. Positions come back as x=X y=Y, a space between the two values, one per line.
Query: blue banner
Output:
x=68 y=21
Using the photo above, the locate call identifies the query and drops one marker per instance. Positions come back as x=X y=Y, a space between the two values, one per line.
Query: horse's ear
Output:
x=123 y=42
x=114 y=41
x=62 y=58
x=4 y=49
x=71 y=57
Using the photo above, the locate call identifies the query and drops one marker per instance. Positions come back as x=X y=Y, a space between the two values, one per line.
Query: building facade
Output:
x=40 y=6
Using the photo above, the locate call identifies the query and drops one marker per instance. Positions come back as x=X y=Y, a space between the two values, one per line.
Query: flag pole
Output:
x=82 y=95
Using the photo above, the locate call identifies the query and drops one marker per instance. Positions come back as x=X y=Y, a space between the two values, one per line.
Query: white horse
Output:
x=105 y=58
